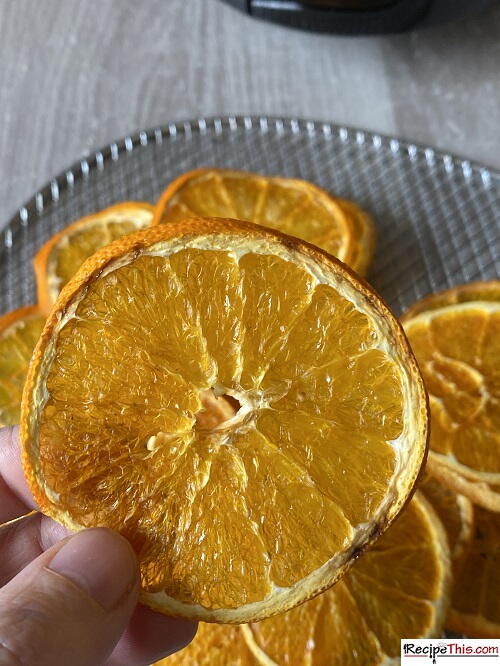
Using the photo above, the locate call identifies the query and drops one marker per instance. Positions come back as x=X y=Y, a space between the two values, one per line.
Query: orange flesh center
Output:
x=216 y=412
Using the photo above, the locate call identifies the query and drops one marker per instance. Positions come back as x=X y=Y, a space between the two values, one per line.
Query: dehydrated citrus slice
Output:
x=363 y=231
x=58 y=260
x=475 y=606
x=465 y=293
x=214 y=645
x=262 y=511
x=398 y=589
x=19 y=333
x=295 y=207
x=457 y=515
x=458 y=349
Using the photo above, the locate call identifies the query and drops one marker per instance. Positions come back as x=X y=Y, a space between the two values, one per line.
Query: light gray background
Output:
x=76 y=74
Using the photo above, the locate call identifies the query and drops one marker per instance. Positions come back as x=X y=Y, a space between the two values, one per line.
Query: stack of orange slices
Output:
x=456 y=338
x=292 y=206
x=212 y=383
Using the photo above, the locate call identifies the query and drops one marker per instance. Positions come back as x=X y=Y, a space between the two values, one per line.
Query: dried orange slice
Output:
x=398 y=589
x=465 y=293
x=57 y=261
x=458 y=350
x=475 y=607
x=457 y=515
x=19 y=333
x=266 y=509
x=214 y=645
x=363 y=230
x=295 y=207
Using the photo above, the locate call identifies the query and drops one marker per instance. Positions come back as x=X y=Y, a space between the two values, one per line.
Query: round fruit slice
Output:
x=58 y=260
x=214 y=645
x=253 y=515
x=398 y=589
x=363 y=231
x=475 y=606
x=295 y=207
x=474 y=291
x=456 y=514
x=458 y=350
x=19 y=333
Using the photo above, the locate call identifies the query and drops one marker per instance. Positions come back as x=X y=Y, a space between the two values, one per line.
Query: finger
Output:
x=151 y=636
x=15 y=496
x=24 y=541
x=71 y=604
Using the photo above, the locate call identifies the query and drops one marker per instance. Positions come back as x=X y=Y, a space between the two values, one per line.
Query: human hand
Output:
x=70 y=599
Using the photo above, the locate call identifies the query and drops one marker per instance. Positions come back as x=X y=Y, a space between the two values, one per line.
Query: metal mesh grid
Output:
x=438 y=217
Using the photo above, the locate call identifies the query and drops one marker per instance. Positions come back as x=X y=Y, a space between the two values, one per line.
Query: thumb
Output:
x=71 y=604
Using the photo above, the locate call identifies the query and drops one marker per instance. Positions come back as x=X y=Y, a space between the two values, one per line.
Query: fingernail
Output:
x=101 y=563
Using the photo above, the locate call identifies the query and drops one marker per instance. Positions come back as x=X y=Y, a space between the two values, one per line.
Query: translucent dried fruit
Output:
x=234 y=517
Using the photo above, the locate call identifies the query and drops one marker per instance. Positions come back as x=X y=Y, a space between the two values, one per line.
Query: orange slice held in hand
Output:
x=19 y=332
x=398 y=589
x=58 y=260
x=247 y=517
x=292 y=206
x=457 y=345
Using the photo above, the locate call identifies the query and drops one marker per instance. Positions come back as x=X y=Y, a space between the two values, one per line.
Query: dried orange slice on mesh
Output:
x=475 y=606
x=214 y=645
x=19 y=333
x=292 y=206
x=265 y=509
x=398 y=589
x=457 y=347
x=363 y=231
x=456 y=513
x=57 y=261
x=465 y=293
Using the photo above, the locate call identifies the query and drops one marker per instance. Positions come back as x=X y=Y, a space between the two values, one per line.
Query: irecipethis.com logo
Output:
x=451 y=651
